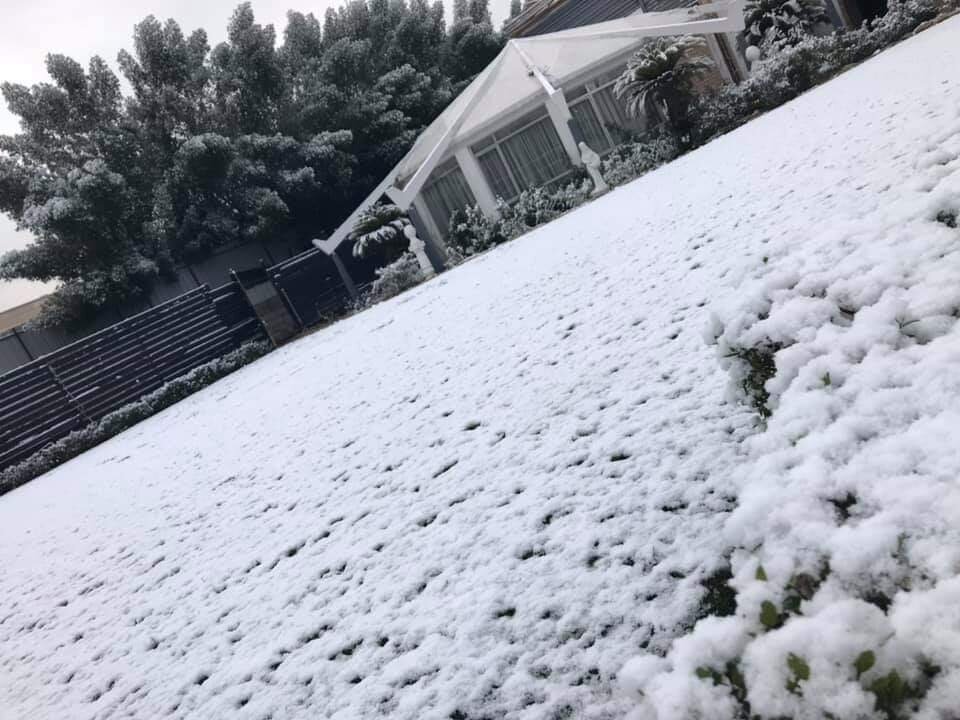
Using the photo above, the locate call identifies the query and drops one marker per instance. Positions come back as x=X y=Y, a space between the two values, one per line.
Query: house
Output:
x=518 y=125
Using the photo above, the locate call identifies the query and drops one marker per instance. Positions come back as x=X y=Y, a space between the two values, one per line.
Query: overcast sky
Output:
x=29 y=29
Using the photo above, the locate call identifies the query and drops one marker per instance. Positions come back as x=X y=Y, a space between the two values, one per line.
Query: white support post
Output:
x=719 y=60
x=560 y=115
x=427 y=217
x=473 y=174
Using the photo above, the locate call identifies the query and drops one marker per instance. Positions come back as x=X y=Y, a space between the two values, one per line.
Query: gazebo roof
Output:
x=528 y=68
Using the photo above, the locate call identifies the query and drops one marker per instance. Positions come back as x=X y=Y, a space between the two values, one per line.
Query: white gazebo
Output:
x=510 y=129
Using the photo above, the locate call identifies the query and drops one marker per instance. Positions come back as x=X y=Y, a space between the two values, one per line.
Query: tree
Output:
x=380 y=225
x=169 y=78
x=469 y=48
x=515 y=8
x=658 y=80
x=479 y=11
x=77 y=178
x=87 y=236
x=775 y=24
x=213 y=148
x=247 y=76
x=223 y=191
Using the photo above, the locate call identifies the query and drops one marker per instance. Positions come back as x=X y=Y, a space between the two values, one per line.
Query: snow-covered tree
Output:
x=212 y=147
x=774 y=24
x=658 y=80
x=379 y=225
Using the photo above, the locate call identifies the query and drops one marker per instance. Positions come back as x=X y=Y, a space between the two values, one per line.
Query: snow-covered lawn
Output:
x=486 y=498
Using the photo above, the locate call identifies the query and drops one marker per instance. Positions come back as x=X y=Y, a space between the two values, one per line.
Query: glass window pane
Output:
x=614 y=117
x=536 y=155
x=497 y=176
x=590 y=126
x=446 y=195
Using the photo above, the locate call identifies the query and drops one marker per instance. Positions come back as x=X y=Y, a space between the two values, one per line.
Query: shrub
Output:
x=796 y=69
x=774 y=24
x=402 y=274
x=537 y=206
x=629 y=162
x=79 y=441
x=471 y=232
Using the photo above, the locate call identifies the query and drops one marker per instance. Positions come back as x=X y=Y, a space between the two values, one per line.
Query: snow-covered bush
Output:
x=775 y=24
x=402 y=274
x=540 y=205
x=846 y=561
x=471 y=232
x=806 y=64
x=629 y=162
x=129 y=415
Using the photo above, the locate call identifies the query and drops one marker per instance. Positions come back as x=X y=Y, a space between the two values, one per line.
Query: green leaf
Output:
x=792 y=603
x=707 y=673
x=826 y=380
x=801 y=672
x=769 y=616
x=864 y=662
x=798 y=666
x=761 y=573
x=891 y=692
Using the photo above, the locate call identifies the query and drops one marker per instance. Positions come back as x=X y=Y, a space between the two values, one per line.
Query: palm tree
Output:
x=774 y=24
x=380 y=225
x=658 y=80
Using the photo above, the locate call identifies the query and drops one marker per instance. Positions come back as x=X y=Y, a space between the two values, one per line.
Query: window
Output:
x=536 y=155
x=495 y=170
x=447 y=193
x=590 y=126
x=613 y=116
x=527 y=153
x=602 y=118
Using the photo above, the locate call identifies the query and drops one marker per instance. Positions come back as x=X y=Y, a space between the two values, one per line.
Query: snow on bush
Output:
x=796 y=69
x=79 y=441
x=402 y=274
x=630 y=161
x=847 y=561
x=774 y=24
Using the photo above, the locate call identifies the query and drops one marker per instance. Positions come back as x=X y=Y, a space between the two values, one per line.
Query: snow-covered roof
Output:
x=525 y=69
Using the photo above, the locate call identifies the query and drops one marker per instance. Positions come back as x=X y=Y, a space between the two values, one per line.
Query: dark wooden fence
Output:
x=82 y=382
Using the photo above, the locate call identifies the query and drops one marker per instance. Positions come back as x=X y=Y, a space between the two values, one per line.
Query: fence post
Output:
x=344 y=275
x=23 y=345
x=290 y=307
x=253 y=310
x=71 y=400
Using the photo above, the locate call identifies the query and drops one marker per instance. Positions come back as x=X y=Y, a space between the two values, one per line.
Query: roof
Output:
x=21 y=314
x=544 y=16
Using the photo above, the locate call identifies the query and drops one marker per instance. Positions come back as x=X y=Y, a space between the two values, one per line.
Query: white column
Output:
x=427 y=218
x=478 y=183
x=560 y=115
x=719 y=59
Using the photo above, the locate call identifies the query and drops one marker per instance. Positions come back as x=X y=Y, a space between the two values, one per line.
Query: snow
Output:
x=498 y=495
